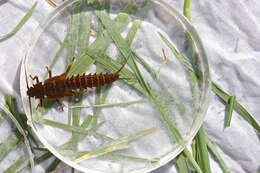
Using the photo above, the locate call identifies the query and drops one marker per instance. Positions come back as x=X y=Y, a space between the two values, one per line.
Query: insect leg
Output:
x=60 y=105
x=35 y=78
x=69 y=66
x=40 y=104
x=49 y=71
x=84 y=91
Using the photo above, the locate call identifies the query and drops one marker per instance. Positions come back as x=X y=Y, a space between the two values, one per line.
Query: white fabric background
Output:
x=230 y=31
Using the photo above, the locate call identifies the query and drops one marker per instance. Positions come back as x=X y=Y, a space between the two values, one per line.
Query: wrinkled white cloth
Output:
x=230 y=32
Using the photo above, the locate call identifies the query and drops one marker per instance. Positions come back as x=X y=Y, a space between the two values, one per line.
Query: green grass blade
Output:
x=120 y=157
x=202 y=156
x=21 y=118
x=130 y=6
x=71 y=128
x=215 y=153
x=118 y=144
x=111 y=104
x=72 y=35
x=38 y=160
x=127 y=52
x=132 y=31
x=182 y=165
x=112 y=31
x=72 y=143
x=237 y=106
x=40 y=149
x=16 y=165
x=20 y=24
x=57 y=55
x=102 y=93
x=231 y=102
x=101 y=151
x=186 y=9
x=193 y=147
x=53 y=165
x=183 y=59
x=101 y=43
x=75 y=113
x=1 y=119
x=80 y=66
x=192 y=160
x=11 y=104
x=20 y=129
x=84 y=30
x=43 y=157
x=112 y=66
x=10 y=143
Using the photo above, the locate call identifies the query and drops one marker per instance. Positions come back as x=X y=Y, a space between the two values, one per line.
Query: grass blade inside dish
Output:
x=72 y=143
x=120 y=143
x=120 y=157
x=71 y=128
x=126 y=52
x=53 y=165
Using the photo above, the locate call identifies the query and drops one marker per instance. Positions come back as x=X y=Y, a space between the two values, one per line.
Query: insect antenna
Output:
x=118 y=71
x=29 y=98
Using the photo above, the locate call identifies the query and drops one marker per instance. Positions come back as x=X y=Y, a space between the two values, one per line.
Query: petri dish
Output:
x=142 y=120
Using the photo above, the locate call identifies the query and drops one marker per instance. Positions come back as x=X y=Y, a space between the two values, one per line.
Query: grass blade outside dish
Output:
x=1 y=119
x=10 y=143
x=215 y=153
x=20 y=129
x=192 y=160
x=182 y=165
x=186 y=9
x=202 y=156
x=231 y=102
x=237 y=106
x=20 y=117
x=20 y=24
x=53 y=165
x=16 y=165
x=43 y=157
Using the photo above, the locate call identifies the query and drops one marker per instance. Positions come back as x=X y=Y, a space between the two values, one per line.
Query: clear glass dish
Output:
x=172 y=109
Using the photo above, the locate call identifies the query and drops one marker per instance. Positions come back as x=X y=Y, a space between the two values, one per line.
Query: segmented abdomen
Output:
x=90 y=80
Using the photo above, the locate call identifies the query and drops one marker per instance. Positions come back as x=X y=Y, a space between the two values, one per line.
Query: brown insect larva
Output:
x=57 y=87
